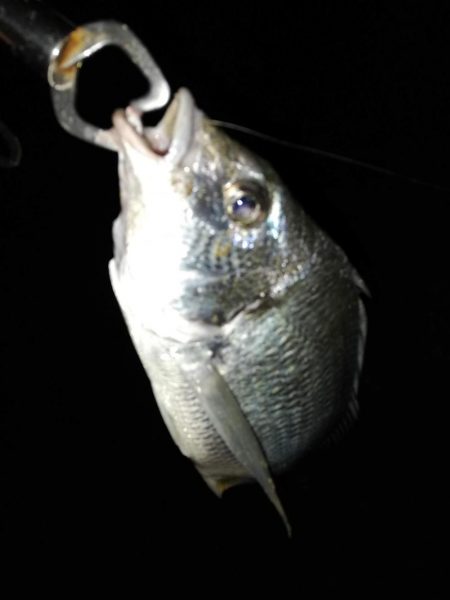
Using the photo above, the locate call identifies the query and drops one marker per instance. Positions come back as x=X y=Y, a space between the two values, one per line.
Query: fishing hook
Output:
x=67 y=58
x=55 y=48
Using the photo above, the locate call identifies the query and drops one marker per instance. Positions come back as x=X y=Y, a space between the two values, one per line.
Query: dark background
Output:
x=89 y=474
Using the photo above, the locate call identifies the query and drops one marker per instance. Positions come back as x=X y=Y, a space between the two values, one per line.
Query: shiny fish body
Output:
x=246 y=316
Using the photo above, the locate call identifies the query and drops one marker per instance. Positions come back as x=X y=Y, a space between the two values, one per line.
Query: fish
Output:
x=248 y=318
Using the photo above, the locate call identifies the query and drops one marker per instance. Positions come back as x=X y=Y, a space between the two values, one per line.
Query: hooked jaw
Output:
x=170 y=140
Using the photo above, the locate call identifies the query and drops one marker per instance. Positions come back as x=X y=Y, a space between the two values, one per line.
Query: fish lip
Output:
x=176 y=127
x=170 y=140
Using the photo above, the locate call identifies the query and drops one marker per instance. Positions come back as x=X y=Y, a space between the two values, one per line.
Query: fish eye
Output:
x=246 y=203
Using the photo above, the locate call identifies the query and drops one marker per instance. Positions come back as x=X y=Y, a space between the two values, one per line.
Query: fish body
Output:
x=246 y=316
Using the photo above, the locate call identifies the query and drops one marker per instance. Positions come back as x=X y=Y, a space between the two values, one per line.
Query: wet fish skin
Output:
x=252 y=335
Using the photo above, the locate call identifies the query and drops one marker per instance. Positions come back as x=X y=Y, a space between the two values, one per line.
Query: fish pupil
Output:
x=244 y=207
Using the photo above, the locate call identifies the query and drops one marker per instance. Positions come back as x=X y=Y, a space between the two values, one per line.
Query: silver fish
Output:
x=246 y=316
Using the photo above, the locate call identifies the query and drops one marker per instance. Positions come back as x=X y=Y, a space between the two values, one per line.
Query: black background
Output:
x=89 y=475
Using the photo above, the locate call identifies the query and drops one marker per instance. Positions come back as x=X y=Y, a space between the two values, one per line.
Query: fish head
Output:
x=204 y=219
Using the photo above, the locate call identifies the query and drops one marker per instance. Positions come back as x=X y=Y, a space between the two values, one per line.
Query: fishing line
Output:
x=325 y=154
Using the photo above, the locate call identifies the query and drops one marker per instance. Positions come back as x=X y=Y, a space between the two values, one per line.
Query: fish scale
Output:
x=186 y=420
x=286 y=422
x=252 y=333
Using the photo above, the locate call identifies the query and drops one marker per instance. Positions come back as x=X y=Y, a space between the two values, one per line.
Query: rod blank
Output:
x=32 y=30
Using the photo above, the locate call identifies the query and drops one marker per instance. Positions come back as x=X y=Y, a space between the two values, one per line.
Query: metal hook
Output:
x=67 y=58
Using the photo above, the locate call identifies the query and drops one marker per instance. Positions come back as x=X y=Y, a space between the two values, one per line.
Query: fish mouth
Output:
x=171 y=139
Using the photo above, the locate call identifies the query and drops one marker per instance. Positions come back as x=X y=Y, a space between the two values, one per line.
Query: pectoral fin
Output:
x=225 y=413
